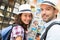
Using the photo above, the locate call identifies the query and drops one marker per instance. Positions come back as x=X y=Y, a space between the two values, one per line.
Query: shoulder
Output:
x=56 y=26
x=18 y=28
x=54 y=33
x=17 y=31
x=54 y=29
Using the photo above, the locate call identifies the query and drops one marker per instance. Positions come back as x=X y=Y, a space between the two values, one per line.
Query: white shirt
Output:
x=53 y=32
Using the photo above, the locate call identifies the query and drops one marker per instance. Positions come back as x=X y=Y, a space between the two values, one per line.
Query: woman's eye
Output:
x=25 y=15
x=30 y=16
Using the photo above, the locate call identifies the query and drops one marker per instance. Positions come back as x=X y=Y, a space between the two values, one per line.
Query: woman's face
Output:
x=26 y=18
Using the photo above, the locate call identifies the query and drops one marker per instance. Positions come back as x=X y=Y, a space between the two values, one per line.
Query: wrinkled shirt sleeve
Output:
x=17 y=31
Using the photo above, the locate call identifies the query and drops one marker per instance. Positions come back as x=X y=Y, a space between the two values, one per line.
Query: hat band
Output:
x=48 y=2
x=25 y=10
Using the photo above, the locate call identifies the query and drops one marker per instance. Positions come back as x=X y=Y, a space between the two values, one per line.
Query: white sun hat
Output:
x=24 y=8
x=50 y=2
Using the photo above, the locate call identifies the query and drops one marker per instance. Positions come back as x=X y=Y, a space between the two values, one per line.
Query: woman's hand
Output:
x=19 y=38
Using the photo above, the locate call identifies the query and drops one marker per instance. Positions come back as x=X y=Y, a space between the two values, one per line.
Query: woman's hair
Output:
x=20 y=22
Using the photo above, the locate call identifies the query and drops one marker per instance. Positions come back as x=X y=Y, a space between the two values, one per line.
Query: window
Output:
x=2 y=6
x=0 y=1
x=7 y=14
x=0 y=27
x=4 y=25
x=15 y=10
x=1 y=13
x=11 y=2
x=11 y=22
x=6 y=1
x=9 y=9
x=1 y=19
x=17 y=5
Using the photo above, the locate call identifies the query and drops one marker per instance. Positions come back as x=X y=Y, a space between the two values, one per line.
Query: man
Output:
x=49 y=14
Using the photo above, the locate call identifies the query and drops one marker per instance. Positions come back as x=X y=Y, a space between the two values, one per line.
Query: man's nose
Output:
x=44 y=11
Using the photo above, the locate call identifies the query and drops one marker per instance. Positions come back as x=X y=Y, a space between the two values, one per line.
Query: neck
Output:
x=54 y=17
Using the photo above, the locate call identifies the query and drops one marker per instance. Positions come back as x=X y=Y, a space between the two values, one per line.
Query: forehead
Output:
x=45 y=6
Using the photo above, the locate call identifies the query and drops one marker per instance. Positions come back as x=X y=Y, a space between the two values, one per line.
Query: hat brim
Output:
x=47 y=4
x=23 y=12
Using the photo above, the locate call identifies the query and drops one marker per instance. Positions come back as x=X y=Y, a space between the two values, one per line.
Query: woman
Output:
x=24 y=19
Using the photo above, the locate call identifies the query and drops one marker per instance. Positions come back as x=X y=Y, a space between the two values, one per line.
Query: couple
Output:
x=25 y=16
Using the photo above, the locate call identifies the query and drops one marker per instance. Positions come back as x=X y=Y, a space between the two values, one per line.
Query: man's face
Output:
x=47 y=12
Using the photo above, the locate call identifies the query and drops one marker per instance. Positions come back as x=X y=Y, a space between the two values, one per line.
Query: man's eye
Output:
x=47 y=9
x=41 y=9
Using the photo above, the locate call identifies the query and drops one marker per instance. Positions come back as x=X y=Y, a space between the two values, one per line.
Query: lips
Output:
x=27 y=21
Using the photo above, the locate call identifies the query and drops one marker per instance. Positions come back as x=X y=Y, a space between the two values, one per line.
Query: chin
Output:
x=45 y=20
x=27 y=23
